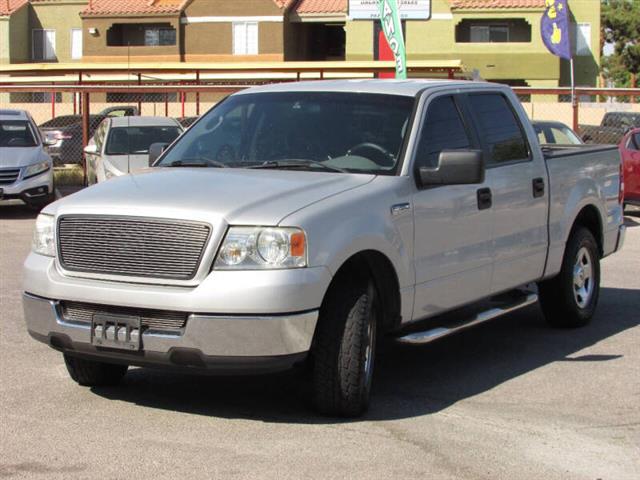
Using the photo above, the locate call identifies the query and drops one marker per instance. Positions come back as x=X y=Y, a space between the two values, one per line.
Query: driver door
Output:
x=453 y=223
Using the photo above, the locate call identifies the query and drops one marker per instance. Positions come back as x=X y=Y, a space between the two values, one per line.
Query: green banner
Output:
x=392 y=27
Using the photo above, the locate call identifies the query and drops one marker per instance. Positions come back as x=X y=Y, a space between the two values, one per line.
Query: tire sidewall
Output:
x=581 y=238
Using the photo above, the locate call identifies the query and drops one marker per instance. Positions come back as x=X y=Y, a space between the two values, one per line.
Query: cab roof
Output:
x=409 y=88
x=7 y=114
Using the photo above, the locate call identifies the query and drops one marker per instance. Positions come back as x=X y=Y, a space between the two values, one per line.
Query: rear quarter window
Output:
x=499 y=128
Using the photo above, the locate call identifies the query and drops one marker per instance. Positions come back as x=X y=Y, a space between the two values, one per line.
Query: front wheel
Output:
x=344 y=348
x=570 y=299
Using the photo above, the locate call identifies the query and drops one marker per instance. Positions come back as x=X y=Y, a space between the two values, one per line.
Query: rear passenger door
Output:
x=518 y=181
x=453 y=227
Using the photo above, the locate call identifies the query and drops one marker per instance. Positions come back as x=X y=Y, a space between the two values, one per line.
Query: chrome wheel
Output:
x=583 y=281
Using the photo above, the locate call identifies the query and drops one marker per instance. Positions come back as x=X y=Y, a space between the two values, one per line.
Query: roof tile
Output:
x=7 y=7
x=321 y=6
x=494 y=4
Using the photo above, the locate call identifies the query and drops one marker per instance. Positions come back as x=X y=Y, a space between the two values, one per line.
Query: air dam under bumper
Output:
x=220 y=344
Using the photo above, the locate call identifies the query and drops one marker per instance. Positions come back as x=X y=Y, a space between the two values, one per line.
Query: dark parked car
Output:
x=66 y=132
x=614 y=126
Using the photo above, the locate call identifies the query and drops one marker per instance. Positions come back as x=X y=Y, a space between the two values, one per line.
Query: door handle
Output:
x=485 y=199
x=538 y=187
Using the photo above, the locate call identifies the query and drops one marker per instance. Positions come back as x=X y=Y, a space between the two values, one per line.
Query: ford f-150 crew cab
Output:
x=296 y=223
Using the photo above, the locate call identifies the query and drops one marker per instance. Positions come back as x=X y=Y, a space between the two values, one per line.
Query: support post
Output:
x=53 y=105
x=139 y=98
x=197 y=94
x=574 y=98
x=85 y=131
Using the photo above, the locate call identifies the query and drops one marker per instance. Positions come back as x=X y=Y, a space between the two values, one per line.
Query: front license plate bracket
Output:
x=116 y=331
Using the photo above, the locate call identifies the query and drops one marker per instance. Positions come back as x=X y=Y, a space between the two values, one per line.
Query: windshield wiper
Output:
x=198 y=162
x=297 y=163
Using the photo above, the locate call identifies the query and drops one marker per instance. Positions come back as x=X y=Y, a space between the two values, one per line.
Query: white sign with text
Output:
x=409 y=9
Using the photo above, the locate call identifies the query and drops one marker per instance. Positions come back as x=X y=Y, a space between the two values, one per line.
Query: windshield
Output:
x=137 y=140
x=16 y=133
x=350 y=132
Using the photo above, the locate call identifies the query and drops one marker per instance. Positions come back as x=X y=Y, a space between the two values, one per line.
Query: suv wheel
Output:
x=343 y=354
x=570 y=299
x=89 y=373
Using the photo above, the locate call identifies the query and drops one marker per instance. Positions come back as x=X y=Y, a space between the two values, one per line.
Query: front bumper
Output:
x=31 y=190
x=223 y=344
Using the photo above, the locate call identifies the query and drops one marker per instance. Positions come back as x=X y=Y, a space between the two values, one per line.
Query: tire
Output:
x=343 y=353
x=570 y=299
x=94 y=374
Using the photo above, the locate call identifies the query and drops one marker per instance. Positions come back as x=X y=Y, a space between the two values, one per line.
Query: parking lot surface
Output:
x=513 y=399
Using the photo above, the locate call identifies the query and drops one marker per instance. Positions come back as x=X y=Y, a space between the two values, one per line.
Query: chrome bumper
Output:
x=228 y=344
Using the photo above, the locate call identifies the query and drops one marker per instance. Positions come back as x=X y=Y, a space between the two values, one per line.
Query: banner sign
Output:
x=392 y=28
x=554 y=28
x=408 y=9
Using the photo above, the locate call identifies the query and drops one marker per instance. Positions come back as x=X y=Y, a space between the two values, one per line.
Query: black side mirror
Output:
x=155 y=150
x=455 y=167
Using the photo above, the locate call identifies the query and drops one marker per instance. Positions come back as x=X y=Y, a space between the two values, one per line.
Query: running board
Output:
x=435 y=333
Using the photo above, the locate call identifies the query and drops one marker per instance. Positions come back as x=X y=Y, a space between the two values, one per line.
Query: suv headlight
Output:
x=262 y=248
x=36 y=169
x=44 y=237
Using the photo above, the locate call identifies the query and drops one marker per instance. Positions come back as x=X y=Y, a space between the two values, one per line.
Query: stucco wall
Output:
x=13 y=47
x=96 y=48
x=213 y=41
x=61 y=16
x=529 y=61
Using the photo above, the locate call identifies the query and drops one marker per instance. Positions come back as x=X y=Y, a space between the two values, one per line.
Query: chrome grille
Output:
x=131 y=246
x=153 y=319
x=9 y=176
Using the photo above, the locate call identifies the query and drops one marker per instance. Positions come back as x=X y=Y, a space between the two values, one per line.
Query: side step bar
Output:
x=437 y=332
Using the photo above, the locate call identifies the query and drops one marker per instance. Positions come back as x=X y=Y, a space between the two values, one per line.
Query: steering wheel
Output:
x=389 y=158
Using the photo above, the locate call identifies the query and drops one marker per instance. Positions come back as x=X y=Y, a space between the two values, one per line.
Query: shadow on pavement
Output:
x=410 y=381
x=17 y=212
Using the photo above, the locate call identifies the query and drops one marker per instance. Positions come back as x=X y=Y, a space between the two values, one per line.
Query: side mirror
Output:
x=155 y=150
x=91 y=149
x=455 y=167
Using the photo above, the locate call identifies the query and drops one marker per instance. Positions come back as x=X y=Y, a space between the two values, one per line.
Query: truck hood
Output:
x=235 y=196
x=20 y=157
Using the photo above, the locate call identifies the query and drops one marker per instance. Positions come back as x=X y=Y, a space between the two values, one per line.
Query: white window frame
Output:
x=583 y=42
x=73 y=56
x=43 y=31
x=247 y=50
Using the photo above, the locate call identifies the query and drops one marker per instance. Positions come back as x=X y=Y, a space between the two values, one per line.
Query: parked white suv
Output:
x=26 y=169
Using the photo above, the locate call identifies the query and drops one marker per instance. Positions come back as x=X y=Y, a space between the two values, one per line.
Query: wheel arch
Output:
x=377 y=266
x=589 y=217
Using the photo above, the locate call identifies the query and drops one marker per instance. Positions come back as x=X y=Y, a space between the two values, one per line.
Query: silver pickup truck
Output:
x=295 y=224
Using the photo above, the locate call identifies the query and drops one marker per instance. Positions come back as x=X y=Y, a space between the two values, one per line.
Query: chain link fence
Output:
x=69 y=116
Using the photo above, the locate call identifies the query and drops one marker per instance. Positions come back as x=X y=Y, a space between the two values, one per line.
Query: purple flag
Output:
x=555 y=28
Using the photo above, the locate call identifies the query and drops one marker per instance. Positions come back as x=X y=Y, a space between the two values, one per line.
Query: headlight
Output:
x=261 y=248
x=43 y=236
x=36 y=169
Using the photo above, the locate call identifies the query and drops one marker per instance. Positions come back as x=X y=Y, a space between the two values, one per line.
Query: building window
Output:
x=141 y=35
x=34 y=97
x=493 y=31
x=76 y=43
x=582 y=32
x=245 y=38
x=43 y=44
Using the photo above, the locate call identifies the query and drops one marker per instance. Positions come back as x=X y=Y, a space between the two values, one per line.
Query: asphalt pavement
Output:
x=513 y=399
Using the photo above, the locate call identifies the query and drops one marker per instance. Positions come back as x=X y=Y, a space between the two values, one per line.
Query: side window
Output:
x=443 y=129
x=499 y=128
x=635 y=142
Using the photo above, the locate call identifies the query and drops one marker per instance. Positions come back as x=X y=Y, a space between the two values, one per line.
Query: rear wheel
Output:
x=343 y=354
x=89 y=373
x=570 y=299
